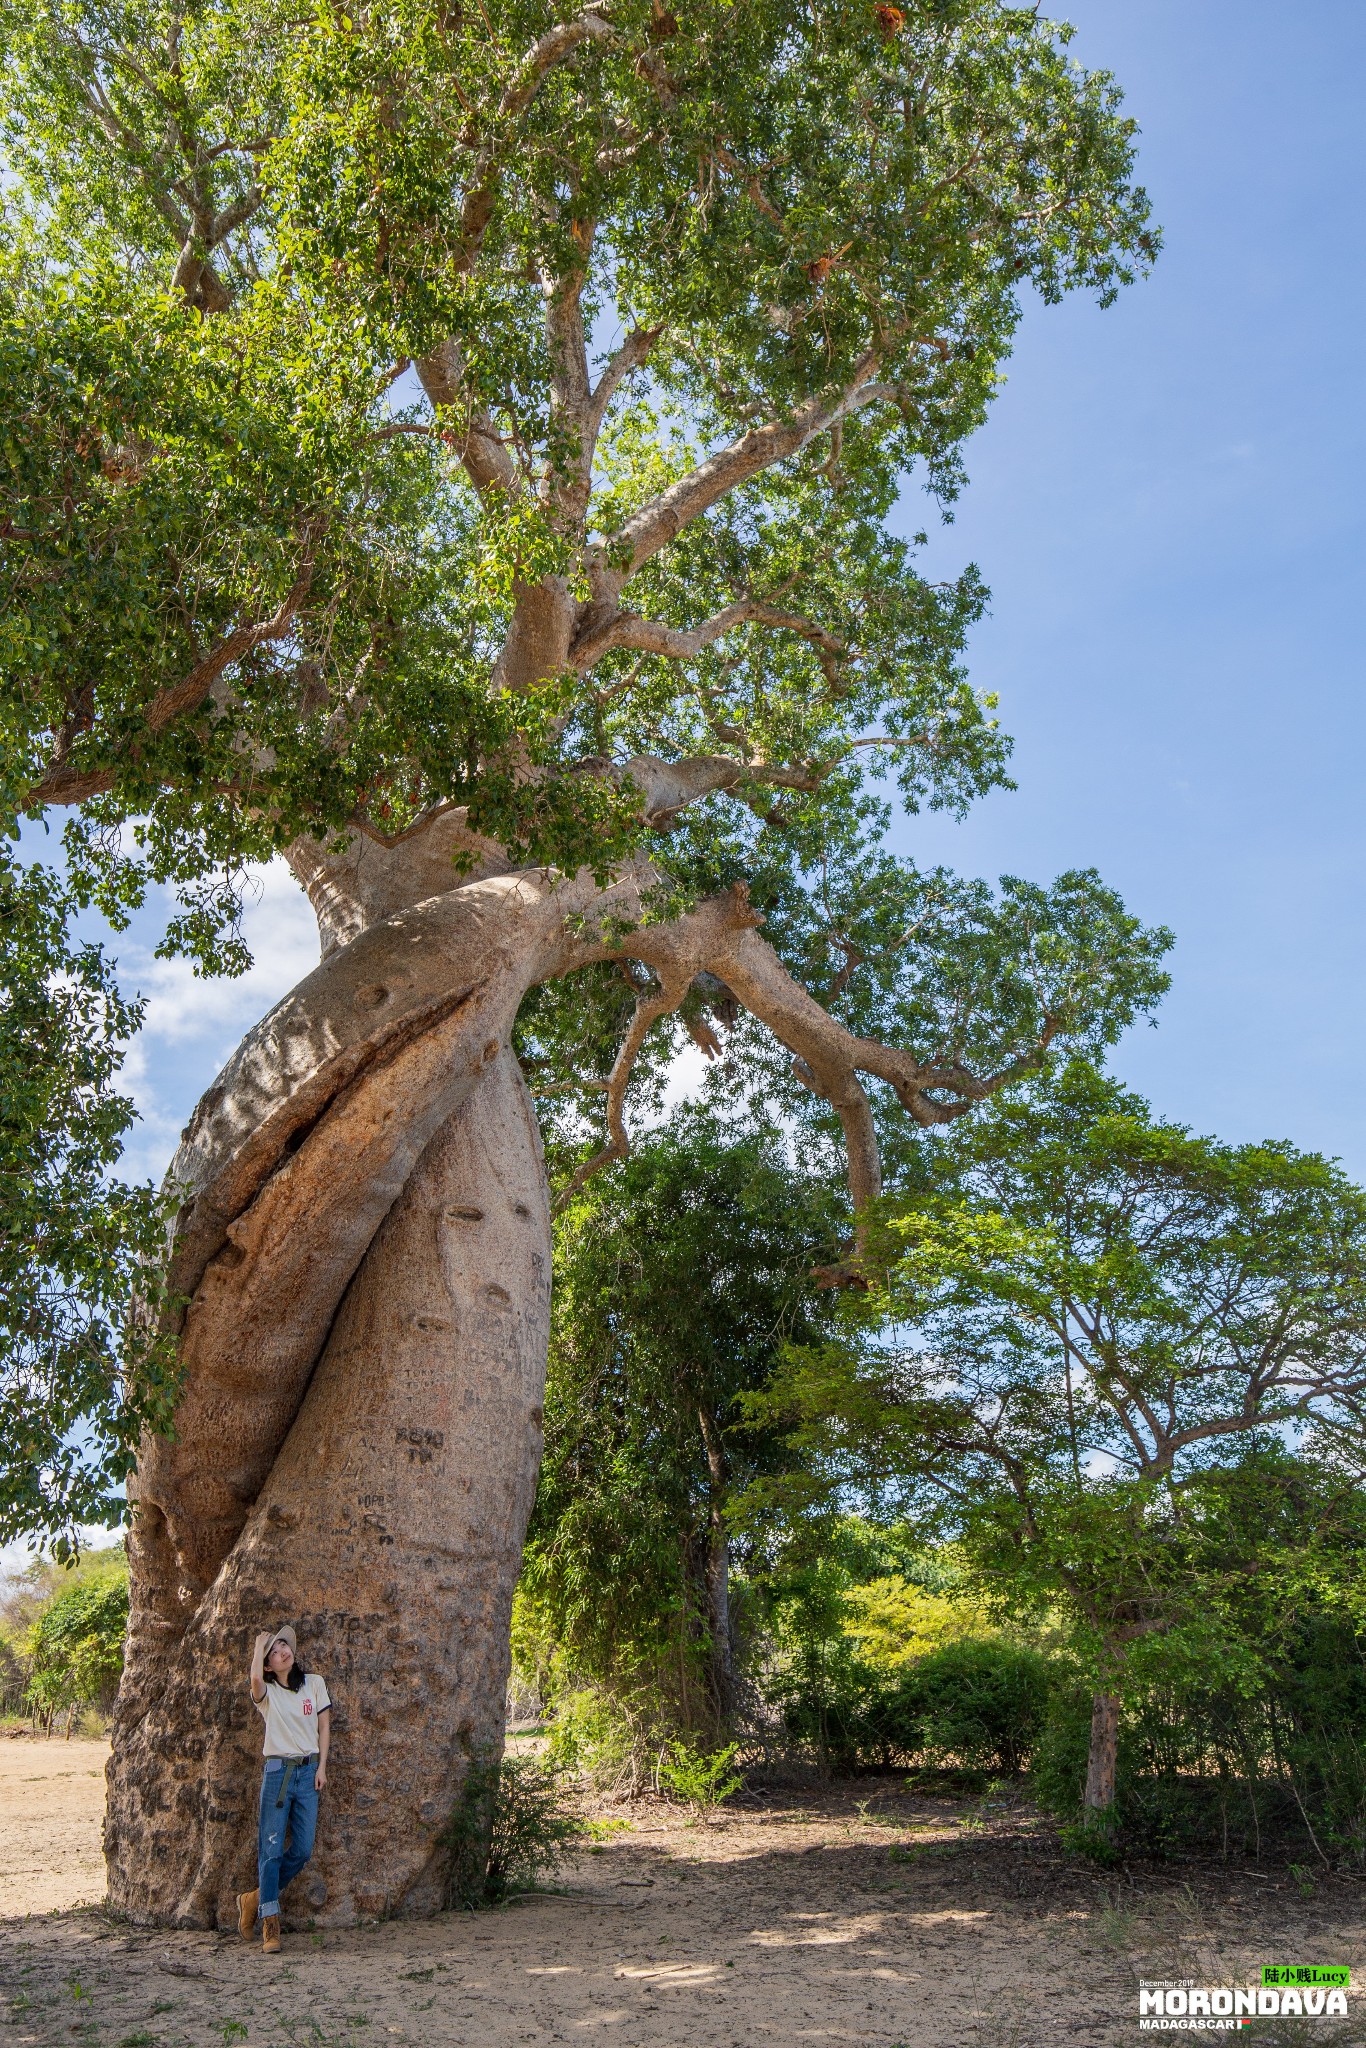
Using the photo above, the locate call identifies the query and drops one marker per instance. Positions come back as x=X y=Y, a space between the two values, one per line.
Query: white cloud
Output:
x=192 y=1023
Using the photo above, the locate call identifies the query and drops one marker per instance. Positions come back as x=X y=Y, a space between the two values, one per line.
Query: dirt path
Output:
x=799 y=1919
x=51 y=1811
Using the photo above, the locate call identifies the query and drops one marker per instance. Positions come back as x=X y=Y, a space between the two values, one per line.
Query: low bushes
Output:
x=1232 y=1757
x=975 y=1705
x=511 y=1829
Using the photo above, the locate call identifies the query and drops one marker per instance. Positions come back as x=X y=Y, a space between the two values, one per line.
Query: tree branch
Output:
x=486 y=461
x=67 y=785
x=673 y=986
x=598 y=637
x=664 y=517
x=634 y=352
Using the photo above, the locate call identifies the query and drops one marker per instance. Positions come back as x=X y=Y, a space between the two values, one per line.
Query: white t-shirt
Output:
x=291 y=1718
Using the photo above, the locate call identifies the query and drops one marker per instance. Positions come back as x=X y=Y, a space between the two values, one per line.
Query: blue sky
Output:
x=1168 y=506
x=1166 y=503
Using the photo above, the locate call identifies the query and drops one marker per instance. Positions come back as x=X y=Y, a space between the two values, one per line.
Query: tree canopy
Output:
x=484 y=414
x=1096 y=1343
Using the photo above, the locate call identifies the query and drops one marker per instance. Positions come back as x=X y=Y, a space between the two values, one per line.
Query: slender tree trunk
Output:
x=718 y=1578
x=1099 y=1799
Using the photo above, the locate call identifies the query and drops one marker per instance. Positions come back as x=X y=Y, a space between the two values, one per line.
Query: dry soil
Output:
x=860 y=1914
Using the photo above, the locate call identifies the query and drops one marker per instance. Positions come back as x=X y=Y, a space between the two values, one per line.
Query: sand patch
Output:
x=797 y=1920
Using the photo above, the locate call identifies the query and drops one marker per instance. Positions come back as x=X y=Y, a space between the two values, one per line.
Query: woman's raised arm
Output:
x=258 y=1681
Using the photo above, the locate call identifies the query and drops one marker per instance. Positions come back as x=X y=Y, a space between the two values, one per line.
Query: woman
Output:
x=297 y=1712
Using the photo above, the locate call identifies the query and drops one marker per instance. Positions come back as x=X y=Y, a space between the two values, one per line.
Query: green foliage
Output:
x=1096 y=1324
x=677 y=1282
x=975 y=1706
x=593 y=1735
x=511 y=1829
x=74 y=1647
x=701 y=1779
x=80 y=1378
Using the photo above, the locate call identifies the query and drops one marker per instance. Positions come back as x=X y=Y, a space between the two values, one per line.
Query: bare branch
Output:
x=598 y=637
x=668 y=997
x=232 y=217
x=486 y=460
x=634 y=351
x=670 y=786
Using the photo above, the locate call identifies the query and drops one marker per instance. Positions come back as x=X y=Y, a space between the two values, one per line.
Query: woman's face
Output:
x=280 y=1660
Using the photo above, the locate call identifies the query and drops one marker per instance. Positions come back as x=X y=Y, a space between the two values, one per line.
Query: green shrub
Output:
x=75 y=1648
x=511 y=1828
x=701 y=1780
x=970 y=1705
x=977 y=1704
x=590 y=1734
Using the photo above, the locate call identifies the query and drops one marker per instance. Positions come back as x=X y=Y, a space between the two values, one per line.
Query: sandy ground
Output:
x=51 y=1807
x=860 y=1914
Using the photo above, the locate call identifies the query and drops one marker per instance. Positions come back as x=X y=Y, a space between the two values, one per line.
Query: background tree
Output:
x=1091 y=1315
x=61 y=1636
x=78 y=1378
x=573 y=653
x=678 y=1282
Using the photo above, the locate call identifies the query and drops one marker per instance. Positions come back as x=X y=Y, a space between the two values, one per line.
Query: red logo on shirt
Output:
x=308 y=1706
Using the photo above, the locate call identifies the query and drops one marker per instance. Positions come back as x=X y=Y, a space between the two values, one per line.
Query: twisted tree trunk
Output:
x=364 y=1248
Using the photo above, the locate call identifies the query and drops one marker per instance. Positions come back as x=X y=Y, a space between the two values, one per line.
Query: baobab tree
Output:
x=452 y=447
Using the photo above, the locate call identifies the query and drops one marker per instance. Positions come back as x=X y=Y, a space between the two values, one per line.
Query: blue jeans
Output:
x=298 y=1814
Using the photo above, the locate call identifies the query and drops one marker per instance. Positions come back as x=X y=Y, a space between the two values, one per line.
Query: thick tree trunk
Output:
x=390 y=1530
x=1099 y=1798
x=364 y=1251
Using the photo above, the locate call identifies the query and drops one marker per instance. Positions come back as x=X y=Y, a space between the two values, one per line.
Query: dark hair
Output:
x=294 y=1678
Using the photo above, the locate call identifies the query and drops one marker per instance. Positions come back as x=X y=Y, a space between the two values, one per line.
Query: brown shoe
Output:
x=270 y=1935
x=247 y=1902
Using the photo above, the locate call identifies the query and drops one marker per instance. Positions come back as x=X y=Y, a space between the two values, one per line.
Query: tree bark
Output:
x=1099 y=1798
x=390 y=1529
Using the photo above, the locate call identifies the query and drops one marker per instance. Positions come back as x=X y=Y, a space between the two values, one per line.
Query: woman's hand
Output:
x=320 y=1777
x=256 y=1678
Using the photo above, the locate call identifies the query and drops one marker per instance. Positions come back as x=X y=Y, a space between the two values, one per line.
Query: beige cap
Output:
x=281 y=1635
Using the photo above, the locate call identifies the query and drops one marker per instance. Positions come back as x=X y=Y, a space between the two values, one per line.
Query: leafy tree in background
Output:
x=78 y=1378
x=62 y=1635
x=454 y=448
x=76 y=1650
x=1086 y=1320
x=679 y=1281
